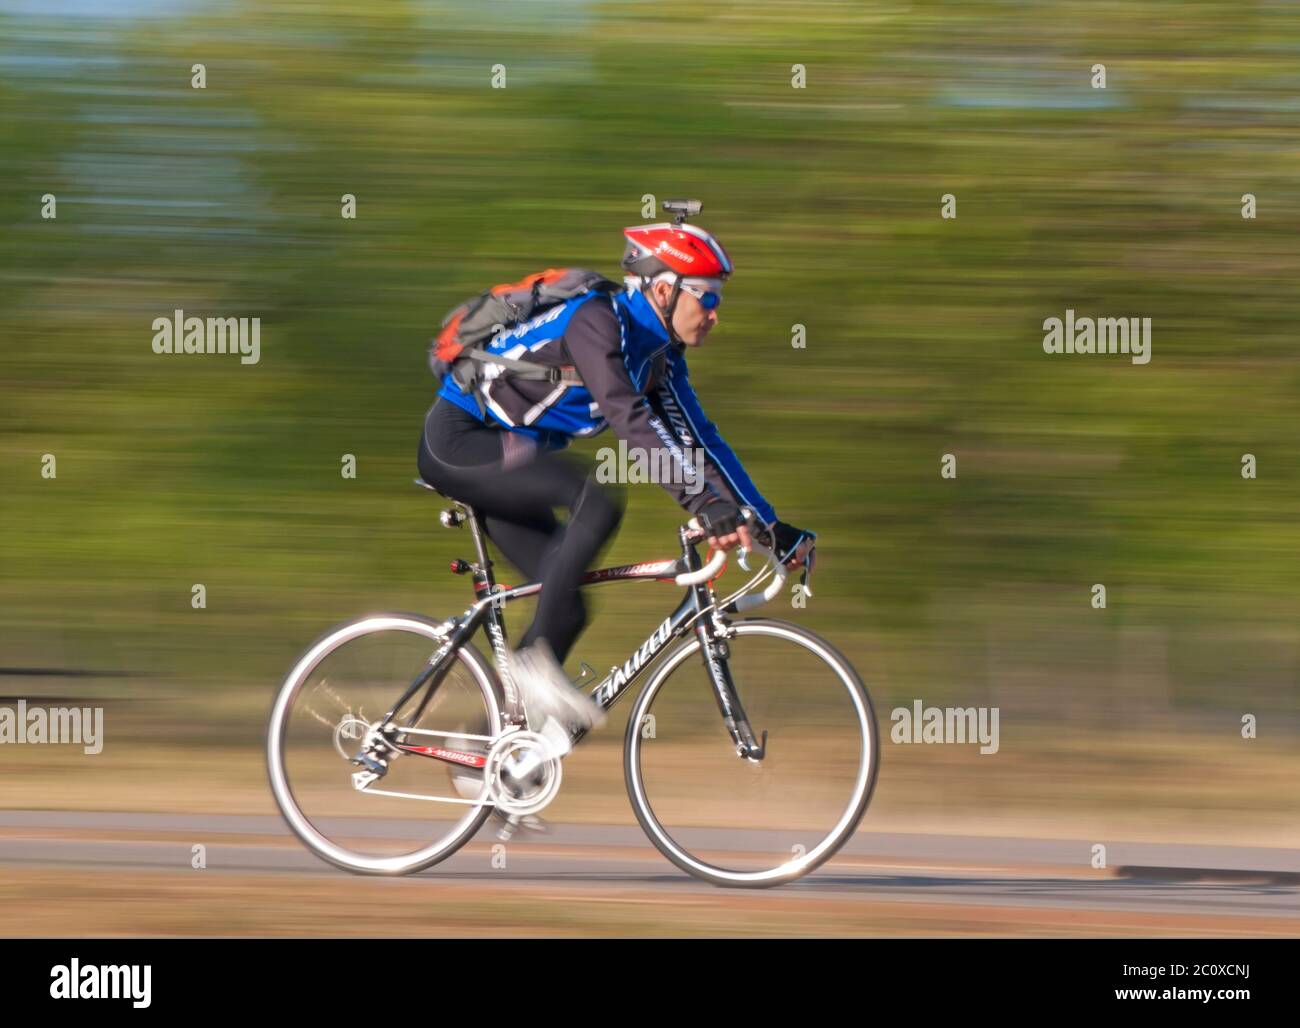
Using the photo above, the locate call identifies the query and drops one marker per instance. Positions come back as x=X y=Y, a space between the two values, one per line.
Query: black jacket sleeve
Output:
x=661 y=402
x=594 y=340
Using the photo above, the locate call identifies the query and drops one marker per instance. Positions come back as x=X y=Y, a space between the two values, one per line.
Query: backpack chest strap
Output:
x=565 y=374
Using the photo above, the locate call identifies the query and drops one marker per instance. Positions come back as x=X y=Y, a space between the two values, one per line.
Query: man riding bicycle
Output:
x=621 y=355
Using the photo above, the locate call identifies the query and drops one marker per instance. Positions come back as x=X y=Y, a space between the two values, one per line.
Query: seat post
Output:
x=480 y=544
x=496 y=624
x=475 y=529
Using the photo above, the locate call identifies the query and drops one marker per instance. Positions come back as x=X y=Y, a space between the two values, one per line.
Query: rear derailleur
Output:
x=377 y=751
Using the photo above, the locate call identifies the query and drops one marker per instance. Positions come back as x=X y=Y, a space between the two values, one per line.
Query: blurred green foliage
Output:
x=923 y=334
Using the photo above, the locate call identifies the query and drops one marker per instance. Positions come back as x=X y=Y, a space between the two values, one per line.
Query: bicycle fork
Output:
x=716 y=652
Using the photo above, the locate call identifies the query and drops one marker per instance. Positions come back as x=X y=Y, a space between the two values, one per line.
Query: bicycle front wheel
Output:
x=740 y=822
x=431 y=799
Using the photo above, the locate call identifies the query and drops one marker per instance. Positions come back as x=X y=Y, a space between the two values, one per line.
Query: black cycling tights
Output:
x=514 y=489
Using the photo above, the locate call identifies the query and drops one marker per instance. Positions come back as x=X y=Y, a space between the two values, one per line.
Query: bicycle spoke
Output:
x=360 y=675
x=740 y=817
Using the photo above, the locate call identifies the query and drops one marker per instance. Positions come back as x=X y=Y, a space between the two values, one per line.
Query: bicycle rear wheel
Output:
x=733 y=821
x=337 y=691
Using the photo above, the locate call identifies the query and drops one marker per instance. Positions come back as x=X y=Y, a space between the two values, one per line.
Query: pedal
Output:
x=511 y=823
x=508 y=829
x=361 y=779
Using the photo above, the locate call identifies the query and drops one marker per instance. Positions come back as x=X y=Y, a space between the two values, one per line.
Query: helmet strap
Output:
x=672 y=306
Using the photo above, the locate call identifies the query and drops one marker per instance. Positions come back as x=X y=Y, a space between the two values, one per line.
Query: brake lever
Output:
x=742 y=555
x=806 y=579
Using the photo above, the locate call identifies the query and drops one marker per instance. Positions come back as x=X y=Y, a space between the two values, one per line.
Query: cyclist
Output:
x=624 y=357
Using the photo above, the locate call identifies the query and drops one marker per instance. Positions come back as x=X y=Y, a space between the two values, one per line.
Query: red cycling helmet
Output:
x=677 y=249
x=682 y=249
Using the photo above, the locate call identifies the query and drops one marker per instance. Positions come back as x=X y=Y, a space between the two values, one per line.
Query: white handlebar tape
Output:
x=705 y=573
x=775 y=586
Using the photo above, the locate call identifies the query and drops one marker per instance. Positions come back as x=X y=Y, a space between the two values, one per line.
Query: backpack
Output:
x=459 y=350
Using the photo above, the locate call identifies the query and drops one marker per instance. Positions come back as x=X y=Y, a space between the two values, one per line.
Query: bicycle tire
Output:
x=854 y=810
x=313 y=838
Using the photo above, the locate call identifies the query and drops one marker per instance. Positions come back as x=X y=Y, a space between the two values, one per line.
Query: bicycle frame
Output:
x=691 y=613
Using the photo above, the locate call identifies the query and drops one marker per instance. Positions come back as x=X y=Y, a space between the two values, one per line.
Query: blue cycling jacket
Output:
x=633 y=379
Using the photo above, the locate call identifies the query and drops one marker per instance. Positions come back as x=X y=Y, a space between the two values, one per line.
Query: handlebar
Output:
x=719 y=558
x=710 y=569
x=694 y=530
x=779 y=574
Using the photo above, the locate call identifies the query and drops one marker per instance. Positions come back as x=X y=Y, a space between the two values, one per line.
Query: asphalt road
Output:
x=962 y=873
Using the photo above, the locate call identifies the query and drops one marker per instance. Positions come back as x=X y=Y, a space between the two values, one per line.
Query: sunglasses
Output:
x=708 y=300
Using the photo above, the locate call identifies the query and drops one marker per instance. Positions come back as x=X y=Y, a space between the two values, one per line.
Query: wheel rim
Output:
x=810 y=790
x=346 y=681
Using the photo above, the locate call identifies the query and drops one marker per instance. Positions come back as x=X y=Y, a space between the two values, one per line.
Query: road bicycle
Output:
x=392 y=740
